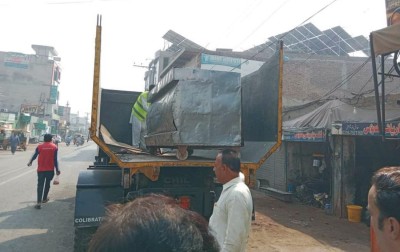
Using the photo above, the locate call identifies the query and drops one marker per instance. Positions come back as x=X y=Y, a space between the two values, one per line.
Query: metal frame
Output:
x=248 y=168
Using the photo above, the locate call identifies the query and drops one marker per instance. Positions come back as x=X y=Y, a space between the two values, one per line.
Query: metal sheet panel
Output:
x=116 y=107
x=195 y=107
x=260 y=103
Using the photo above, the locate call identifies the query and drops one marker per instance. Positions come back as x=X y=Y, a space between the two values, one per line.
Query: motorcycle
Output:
x=79 y=141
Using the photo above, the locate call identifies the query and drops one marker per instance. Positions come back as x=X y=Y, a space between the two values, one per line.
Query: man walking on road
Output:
x=47 y=161
x=14 y=142
x=231 y=217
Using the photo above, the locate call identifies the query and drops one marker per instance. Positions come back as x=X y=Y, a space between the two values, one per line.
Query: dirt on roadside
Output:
x=281 y=226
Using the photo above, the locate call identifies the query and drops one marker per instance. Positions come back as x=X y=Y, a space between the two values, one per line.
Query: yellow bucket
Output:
x=354 y=213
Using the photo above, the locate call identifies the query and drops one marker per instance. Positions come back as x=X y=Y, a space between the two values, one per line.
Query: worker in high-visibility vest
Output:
x=138 y=119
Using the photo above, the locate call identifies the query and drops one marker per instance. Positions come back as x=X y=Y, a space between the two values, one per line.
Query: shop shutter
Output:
x=273 y=170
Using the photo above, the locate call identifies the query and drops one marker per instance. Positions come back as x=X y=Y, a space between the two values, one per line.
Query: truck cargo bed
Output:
x=260 y=123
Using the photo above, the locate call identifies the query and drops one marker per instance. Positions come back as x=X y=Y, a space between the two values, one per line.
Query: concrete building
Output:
x=29 y=85
x=79 y=124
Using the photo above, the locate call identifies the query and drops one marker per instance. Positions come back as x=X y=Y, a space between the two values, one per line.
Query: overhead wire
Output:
x=262 y=23
x=245 y=14
x=268 y=44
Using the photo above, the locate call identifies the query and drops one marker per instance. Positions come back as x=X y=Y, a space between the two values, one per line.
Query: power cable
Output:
x=249 y=10
x=268 y=45
x=262 y=23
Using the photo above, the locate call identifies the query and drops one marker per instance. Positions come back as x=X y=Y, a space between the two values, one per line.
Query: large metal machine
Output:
x=195 y=108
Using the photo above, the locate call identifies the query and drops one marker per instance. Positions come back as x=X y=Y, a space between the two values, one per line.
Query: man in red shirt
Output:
x=47 y=161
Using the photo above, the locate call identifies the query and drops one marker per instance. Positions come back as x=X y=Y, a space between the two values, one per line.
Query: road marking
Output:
x=11 y=171
x=14 y=178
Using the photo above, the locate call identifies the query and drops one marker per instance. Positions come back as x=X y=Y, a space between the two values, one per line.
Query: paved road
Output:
x=24 y=228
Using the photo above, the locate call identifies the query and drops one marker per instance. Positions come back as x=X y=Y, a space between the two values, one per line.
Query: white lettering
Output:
x=88 y=219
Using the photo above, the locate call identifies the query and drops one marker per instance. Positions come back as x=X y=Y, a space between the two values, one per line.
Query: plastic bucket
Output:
x=354 y=213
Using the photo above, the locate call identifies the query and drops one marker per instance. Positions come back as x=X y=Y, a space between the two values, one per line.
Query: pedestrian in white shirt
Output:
x=231 y=218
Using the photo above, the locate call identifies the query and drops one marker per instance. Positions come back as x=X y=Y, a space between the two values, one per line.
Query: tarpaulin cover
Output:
x=195 y=107
x=335 y=111
x=386 y=40
x=261 y=113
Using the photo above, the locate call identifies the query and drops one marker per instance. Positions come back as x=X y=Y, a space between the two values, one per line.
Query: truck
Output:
x=121 y=173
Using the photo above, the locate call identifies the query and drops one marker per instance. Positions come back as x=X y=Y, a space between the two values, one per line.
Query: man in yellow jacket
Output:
x=138 y=119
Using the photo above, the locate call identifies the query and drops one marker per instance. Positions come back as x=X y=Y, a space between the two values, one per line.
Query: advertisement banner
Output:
x=220 y=60
x=16 y=60
x=318 y=135
x=53 y=94
x=392 y=129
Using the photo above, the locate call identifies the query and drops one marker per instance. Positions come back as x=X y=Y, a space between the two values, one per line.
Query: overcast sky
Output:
x=133 y=30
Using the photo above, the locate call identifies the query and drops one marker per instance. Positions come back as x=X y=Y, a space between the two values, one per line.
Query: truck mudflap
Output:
x=96 y=189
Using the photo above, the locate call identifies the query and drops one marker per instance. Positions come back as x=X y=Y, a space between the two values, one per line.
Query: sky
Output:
x=132 y=32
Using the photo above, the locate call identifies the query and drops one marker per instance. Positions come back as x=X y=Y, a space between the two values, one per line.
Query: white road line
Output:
x=14 y=178
x=11 y=171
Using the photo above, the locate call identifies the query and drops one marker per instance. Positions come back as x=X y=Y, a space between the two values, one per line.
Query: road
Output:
x=24 y=228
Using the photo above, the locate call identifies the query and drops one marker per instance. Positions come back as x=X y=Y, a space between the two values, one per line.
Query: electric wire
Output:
x=262 y=23
x=268 y=44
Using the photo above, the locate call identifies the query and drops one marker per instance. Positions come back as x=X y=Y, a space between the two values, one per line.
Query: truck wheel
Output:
x=82 y=238
x=190 y=151
x=182 y=153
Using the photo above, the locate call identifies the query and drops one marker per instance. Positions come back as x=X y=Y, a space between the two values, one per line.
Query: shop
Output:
x=359 y=151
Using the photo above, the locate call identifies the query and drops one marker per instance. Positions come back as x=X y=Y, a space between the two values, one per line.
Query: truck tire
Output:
x=82 y=238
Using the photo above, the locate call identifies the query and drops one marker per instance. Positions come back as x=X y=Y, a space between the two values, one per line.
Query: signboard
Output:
x=318 y=135
x=32 y=109
x=392 y=12
x=7 y=117
x=392 y=130
x=40 y=126
x=60 y=111
x=220 y=60
x=16 y=60
x=53 y=94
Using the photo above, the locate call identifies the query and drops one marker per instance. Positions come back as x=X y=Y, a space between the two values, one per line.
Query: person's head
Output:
x=47 y=138
x=384 y=207
x=152 y=223
x=395 y=17
x=227 y=165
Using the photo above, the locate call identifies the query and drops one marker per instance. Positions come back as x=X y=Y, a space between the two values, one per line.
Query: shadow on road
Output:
x=29 y=229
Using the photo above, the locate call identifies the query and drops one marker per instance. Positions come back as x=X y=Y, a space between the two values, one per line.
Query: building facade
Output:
x=29 y=87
